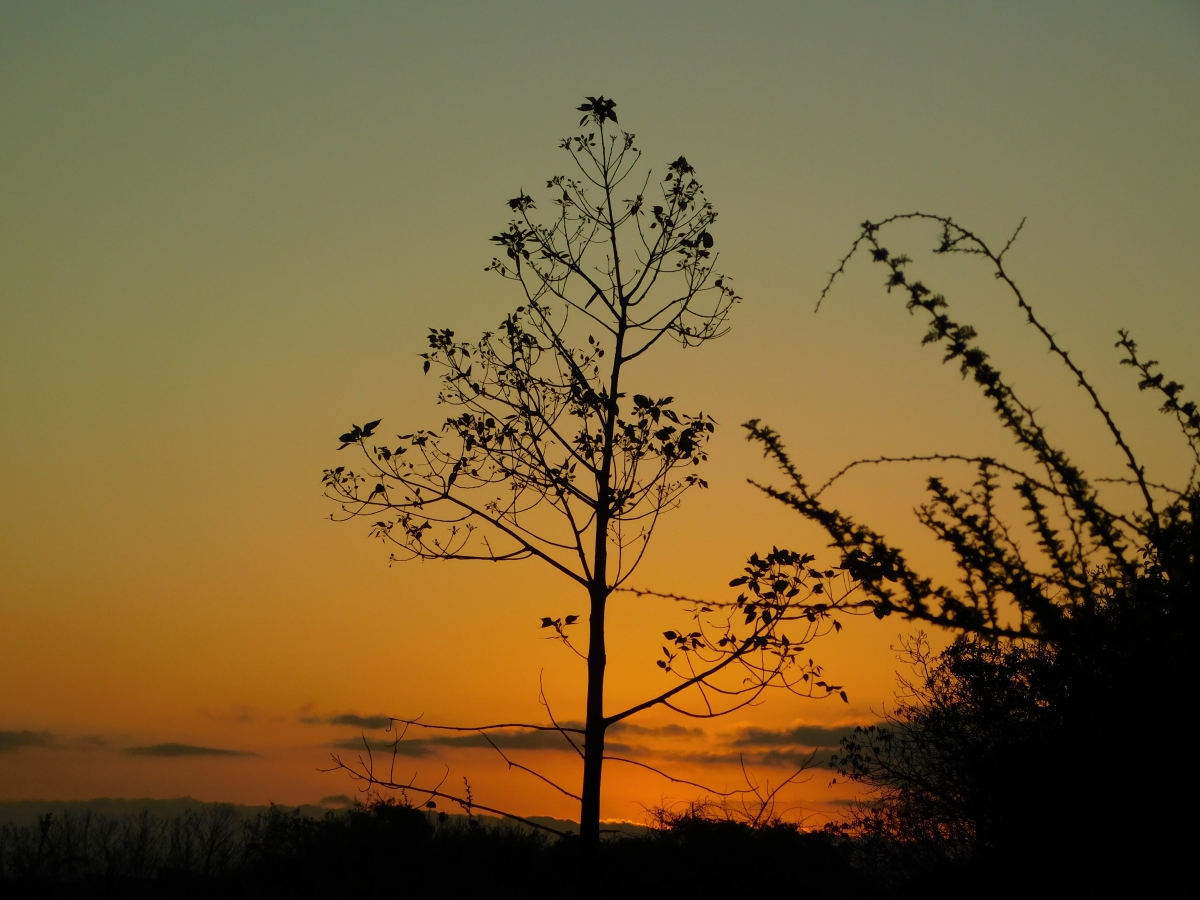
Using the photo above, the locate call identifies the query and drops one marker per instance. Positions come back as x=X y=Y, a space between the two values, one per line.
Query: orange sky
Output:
x=226 y=229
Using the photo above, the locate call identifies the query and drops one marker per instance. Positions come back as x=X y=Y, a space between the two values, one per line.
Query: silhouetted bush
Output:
x=952 y=770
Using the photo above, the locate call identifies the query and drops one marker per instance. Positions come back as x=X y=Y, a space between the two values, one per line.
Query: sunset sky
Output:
x=225 y=229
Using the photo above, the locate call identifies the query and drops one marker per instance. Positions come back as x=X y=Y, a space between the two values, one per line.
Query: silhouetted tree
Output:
x=1086 y=614
x=550 y=455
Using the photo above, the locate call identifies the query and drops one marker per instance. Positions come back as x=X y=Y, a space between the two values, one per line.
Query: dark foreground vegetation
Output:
x=401 y=850
x=397 y=849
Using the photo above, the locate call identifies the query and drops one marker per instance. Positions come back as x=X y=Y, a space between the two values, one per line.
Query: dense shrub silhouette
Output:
x=968 y=749
x=997 y=751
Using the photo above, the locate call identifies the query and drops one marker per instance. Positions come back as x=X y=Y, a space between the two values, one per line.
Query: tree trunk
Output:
x=593 y=751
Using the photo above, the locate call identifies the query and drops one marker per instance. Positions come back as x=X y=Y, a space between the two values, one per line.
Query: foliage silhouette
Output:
x=549 y=455
x=1070 y=642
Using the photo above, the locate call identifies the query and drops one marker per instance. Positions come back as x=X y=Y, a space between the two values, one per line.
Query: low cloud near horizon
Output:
x=178 y=750
x=814 y=737
x=784 y=747
x=505 y=740
x=669 y=731
x=369 y=722
x=13 y=740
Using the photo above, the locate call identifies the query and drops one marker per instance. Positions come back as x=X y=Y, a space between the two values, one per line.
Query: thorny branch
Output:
x=1087 y=552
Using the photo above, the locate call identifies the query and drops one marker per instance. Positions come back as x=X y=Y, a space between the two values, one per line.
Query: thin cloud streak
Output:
x=812 y=736
x=505 y=740
x=782 y=748
x=369 y=722
x=668 y=731
x=14 y=740
x=180 y=750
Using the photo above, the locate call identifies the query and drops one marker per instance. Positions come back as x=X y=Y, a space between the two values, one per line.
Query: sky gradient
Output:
x=225 y=229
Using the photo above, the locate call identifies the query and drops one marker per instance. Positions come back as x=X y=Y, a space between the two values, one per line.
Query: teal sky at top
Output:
x=225 y=227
